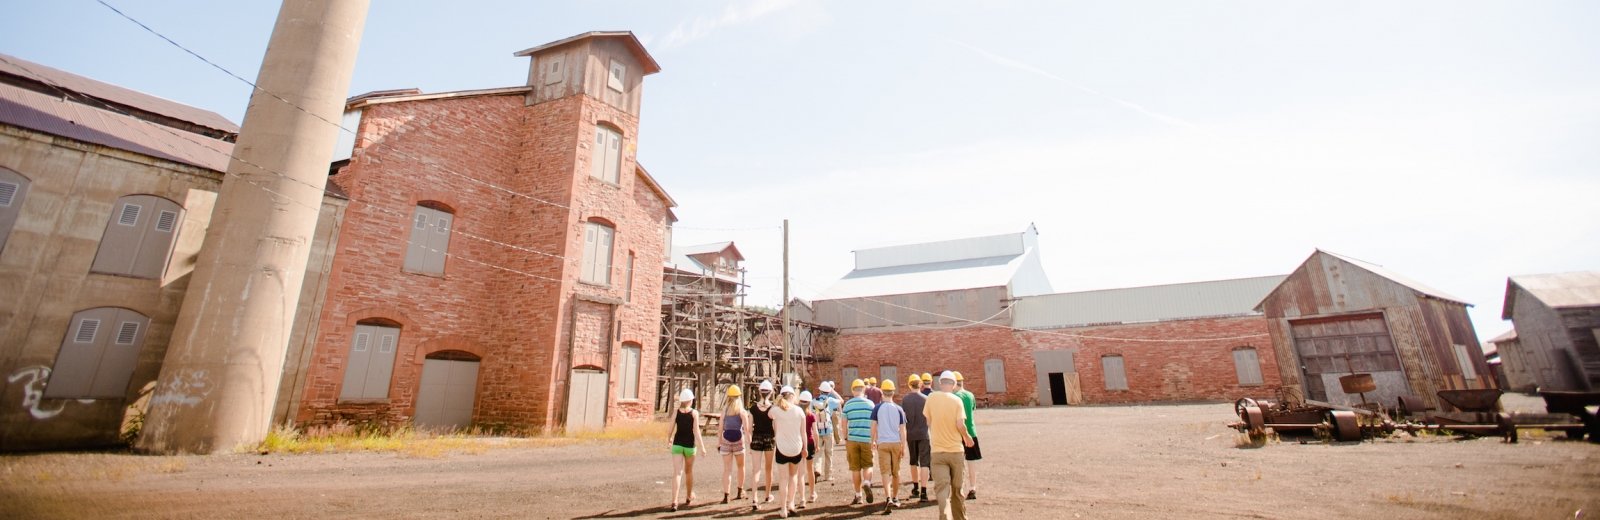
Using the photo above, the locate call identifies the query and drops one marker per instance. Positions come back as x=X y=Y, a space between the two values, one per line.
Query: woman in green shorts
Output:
x=685 y=446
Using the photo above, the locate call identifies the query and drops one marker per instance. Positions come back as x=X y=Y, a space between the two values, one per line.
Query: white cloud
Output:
x=734 y=14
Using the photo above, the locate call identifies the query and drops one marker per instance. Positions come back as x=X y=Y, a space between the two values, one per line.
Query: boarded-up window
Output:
x=627 y=293
x=1464 y=358
x=430 y=240
x=139 y=237
x=666 y=242
x=888 y=373
x=605 y=158
x=13 y=187
x=1247 y=364
x=846 y=375
x=630 y=371
x=994 y=375
x=371 y=362
x=618 y=76
x=1116 y=378
x=596 y=266
x=98 y=354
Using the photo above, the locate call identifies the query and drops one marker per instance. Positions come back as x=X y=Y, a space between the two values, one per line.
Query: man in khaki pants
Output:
x=947 y=427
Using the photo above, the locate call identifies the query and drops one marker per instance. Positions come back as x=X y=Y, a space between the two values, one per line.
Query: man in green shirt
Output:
x=973 y=453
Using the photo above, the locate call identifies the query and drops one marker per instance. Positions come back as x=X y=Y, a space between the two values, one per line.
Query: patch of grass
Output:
x=425 y=443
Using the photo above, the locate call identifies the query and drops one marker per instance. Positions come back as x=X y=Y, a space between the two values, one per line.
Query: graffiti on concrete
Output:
x=183 y=387
x=33 y=392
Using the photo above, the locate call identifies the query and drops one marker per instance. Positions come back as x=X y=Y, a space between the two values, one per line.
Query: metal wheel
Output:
x=1346 y=425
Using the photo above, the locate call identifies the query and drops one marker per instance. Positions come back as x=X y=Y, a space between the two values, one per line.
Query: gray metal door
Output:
x=1329 y=349
x=586 y=400
x=445 y=396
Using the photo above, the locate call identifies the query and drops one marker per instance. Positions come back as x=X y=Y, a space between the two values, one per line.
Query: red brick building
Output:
x=982 y=306
x=484 y=273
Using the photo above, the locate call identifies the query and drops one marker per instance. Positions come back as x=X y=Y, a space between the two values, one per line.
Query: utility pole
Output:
x=784 y=368
x=223 y=366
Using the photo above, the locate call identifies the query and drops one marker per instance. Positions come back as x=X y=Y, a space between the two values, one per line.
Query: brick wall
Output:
x=1183 y=370
x=518 y=311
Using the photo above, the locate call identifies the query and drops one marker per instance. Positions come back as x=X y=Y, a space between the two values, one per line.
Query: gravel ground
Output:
x=1168 y=461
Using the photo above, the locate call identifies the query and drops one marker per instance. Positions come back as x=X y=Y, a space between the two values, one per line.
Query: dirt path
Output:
x=1113 y=462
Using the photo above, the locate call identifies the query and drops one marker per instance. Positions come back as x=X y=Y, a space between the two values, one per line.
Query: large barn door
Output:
x=445 y=396
x=586 y=401
x=1329 y=349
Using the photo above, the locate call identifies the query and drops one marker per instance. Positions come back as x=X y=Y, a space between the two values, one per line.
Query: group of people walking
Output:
x=930 y=431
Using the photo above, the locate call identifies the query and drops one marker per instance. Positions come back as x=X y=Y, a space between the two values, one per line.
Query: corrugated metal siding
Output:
x=1144 y=304
x=116 y=94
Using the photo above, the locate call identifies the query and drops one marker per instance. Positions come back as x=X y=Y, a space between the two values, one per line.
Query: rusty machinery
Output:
x=1478 y=414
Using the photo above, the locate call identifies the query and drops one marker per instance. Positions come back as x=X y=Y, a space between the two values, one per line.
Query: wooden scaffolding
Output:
x=708 y=346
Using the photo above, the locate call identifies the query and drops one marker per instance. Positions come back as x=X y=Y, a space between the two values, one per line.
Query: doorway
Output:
x=1058 y=388
x=447 y=390
x=586 y=400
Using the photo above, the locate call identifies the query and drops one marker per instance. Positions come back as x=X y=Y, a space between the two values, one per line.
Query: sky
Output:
x=1151 y=142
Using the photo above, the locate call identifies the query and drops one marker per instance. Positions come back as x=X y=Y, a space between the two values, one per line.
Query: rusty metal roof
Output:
x=11 y=65
x=1397 y=278
x=53 y=115
x=1556 y=290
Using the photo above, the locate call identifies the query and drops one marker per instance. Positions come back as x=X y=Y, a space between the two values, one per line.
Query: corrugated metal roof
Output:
x=1397 y=278
x=1144 y=304
x=682 y=262
x=115 y=94
x=52 y=115
x=1557 y=290
x=995 y=271
x=1008 y=244
x=714 y=247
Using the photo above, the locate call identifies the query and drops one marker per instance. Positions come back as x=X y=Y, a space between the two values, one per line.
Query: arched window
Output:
x=13 y=187
x=597 y=239
x=98 y=355
x=846 y=375
x=370 y=362
x=605 y=157
x=431 y=223
x=1247 y=364
x=139 y=236
x=888 y=373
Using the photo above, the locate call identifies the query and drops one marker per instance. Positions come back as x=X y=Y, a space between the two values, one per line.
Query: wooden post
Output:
x=784 y=368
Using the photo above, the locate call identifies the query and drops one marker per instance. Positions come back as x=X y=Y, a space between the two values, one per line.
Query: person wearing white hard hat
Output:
x=789 y=439
x=735 y=440
x=685 y=447
x=809 y=476
x=947 y=431
x=827 y=405
x=761 y=444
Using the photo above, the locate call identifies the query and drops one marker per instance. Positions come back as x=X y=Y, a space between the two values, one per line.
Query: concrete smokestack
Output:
x=222 y=368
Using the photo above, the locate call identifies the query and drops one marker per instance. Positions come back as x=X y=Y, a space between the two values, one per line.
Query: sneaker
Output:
x=813 y=496
x=924 y=497
x=914 y=488
x=867 y=489
x=972 y=495
x=857 y=501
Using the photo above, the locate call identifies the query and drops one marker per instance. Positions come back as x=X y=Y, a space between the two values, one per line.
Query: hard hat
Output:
x=887 y=386
x=914 y=380
x=826 y=386
x=786 y=390
x=959 y=378
x=927 y=378
x=733 y=391
x=805 y=396
x=872 y=380
x=766 y=386
x=686 y=395
x=948 y=375
x=857 y=384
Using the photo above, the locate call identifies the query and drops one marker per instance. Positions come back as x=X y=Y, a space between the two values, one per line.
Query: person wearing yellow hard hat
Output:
x=858 y=439
x=889 y=443
x=973 y=453
x=927 y=383
x=918 y=454
x=874 y=393
x=734 y=441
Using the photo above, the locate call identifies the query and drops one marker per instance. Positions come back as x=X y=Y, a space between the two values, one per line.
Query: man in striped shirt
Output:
x=858 y=439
